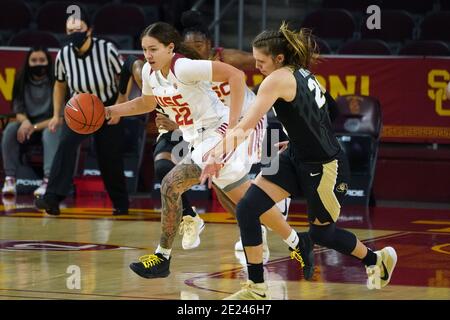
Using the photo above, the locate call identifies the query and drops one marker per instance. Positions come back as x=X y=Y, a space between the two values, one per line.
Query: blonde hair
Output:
x=299 y=48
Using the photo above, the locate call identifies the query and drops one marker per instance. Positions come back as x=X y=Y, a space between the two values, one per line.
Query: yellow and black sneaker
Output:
x=304 y=254
x=251 y=291
x=151 y=266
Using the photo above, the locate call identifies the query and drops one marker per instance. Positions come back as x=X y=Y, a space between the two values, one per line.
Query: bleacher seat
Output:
x=396 y=25
x=365 y=47
x=29 y=38
x=324 y=48
x=358 y=128
x=52 y=16
x=413 y=6
x=444 y=4
x=119 y=19
x=425 y=48
x=331 y=23
x=436 y=26
x=351 y=5
x=15 y=15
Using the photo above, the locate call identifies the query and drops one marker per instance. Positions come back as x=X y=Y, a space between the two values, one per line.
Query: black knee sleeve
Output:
x=329 y=236
x=162 y=167
x=254 y=203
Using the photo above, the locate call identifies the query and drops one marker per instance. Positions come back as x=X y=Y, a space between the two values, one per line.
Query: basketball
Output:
x=84 y=113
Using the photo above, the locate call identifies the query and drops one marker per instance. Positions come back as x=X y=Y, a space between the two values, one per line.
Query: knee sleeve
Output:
x=254 y=203
x=162 y=167
x=329 y=236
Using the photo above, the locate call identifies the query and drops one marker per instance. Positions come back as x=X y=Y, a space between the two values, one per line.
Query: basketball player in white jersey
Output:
x=182 y=87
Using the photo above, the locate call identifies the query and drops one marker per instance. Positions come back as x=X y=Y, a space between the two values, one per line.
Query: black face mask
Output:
x=77 y=39
x=39 y=71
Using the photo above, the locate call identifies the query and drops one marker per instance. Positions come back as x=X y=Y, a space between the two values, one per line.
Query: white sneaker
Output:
x=380 y=274
x=251 y=291
x=39 y=192
x=9 y=202
x=190 y=228
x=239 y=247
x=9 y=187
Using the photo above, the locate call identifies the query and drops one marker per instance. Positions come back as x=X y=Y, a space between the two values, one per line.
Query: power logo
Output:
x=438 y=80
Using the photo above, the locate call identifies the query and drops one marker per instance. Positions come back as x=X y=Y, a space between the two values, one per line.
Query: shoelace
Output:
x=295 y=254
x=187 y=226
x=150 y=260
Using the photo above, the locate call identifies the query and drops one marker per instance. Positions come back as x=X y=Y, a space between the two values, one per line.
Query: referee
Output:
x=88 y=65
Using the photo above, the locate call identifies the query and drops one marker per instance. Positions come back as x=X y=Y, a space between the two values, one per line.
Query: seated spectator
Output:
x=32 y=104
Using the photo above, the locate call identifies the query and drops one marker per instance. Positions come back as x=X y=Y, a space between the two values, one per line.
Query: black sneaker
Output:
x=152 y=266
x=120 y=211
x=304 y=254
x=49 y=205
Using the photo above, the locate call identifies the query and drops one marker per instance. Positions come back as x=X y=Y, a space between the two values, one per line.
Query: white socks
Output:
x=164 y=252
x=292 y=240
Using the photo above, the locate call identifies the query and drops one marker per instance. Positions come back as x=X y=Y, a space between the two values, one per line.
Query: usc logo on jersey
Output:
x=171 y=101
x=181 y=109
x=222 y=90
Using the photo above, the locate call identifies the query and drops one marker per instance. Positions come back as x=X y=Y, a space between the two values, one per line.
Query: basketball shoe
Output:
x=151 y=266
x=386 y=261
x=190 y=229
x=251 y=291
x=49 y=203
x=9 y=187
x=304 y=254
x=39 y=192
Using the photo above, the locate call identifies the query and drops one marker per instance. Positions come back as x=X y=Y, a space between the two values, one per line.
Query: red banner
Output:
x=411 y=90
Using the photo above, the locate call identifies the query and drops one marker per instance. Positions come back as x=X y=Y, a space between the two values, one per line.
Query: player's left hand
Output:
x=210 y=170
x=113 y=120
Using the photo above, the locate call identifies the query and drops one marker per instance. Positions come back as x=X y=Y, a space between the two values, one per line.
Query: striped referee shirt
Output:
x=93 y=72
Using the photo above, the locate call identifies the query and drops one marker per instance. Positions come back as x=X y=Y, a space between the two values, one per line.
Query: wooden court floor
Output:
x=85 y=253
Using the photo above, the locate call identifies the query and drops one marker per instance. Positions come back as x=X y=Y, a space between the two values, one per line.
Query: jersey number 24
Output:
x=313 y=85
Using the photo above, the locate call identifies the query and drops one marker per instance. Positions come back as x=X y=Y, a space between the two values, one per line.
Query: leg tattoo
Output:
x=174 y=184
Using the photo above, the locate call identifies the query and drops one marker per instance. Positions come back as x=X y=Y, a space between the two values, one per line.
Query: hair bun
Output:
x=192 y=19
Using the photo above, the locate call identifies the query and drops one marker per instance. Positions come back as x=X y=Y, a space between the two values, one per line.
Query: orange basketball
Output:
x=84 y=113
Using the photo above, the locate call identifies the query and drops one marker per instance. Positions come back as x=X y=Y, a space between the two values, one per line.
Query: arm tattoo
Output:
x=175 y=183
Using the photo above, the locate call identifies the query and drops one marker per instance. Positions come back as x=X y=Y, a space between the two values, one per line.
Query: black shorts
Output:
x=165 y=143
x=323 y=184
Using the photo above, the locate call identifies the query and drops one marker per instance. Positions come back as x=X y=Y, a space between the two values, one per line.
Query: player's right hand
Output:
x=164 y=123
x=210 y=170
x=281 y=146
x=54 y=123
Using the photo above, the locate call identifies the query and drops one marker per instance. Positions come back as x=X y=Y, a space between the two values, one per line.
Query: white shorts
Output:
x=238 y=163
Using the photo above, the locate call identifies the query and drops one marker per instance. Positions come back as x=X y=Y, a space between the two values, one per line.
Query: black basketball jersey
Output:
x=307 y=122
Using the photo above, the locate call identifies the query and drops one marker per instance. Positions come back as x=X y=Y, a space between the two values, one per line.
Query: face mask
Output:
x=39 y=71
x=77 y=39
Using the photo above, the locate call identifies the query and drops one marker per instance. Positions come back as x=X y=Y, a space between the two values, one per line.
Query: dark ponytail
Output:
x=167 y=34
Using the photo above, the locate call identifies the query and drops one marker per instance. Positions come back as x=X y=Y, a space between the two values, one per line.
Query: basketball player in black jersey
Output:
x=313 y=160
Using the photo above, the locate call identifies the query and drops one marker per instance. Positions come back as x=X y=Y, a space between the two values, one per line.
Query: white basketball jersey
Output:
x=189 y=102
